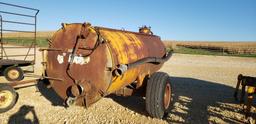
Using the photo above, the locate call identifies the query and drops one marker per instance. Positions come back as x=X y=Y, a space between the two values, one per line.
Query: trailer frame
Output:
x=12 y=60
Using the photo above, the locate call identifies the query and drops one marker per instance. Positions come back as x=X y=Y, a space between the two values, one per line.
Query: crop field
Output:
x=25 y=39
x=41 y=41
x=242 y=49
x=45 y=34
x=247 y=49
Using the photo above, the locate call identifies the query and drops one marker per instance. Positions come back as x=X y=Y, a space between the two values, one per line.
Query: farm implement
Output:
x=250 y=83
x=10 y=64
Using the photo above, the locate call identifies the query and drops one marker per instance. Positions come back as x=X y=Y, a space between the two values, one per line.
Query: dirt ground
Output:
x=203 y=89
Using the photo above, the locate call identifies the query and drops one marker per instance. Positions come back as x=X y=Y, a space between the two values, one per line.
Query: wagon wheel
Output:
x=8 y=97
x=13 y=73
x=158 y=95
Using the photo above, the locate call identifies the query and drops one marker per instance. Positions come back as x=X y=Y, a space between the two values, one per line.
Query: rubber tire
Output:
x=155 y=95
x=21 y=73
x=14 y=95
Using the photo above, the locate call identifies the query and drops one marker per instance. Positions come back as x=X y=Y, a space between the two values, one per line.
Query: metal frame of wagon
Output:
x=4 y=57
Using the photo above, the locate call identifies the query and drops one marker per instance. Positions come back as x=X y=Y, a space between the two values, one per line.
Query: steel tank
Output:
x=86 y=62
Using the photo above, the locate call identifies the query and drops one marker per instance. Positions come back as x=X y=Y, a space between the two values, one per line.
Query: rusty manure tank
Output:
x=86 y=63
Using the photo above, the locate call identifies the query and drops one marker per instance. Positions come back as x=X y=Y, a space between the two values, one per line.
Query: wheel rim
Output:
x=167 y=95
x=6 y=98
x=13 y=74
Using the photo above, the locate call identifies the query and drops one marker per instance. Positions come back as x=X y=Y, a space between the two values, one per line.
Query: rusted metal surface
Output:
x=85 y=57
x=8 y=62
x=124 y=92
x=167 y=96
x=19 y=84
x=31 y=82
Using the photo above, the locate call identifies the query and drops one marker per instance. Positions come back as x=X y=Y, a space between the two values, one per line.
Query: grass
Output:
x=229 y=47
x=184 y=50
x=41 y=41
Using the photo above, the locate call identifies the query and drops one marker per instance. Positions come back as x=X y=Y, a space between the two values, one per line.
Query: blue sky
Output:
x=214 y=20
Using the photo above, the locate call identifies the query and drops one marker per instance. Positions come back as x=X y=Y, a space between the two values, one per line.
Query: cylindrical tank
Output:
x=87 y=62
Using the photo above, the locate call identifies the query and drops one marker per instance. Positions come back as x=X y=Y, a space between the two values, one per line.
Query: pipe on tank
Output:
x=153 y=60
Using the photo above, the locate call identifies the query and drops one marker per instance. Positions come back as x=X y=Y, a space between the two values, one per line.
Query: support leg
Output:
x=237 y=86
x=242 y=94
x=250 y=91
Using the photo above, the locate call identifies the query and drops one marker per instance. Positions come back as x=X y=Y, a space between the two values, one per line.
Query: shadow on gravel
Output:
x=49 y=94
x=134 y=103
x=194 y=101
x=20 y=116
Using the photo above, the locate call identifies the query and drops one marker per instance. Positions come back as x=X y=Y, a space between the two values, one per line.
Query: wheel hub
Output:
x=167 y=96
x=5 y=98
x=13 y=74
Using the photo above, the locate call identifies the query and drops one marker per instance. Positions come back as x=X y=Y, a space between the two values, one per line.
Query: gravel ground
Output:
x=203 y=89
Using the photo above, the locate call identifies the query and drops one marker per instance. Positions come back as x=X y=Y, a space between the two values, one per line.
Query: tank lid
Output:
x=145 y=30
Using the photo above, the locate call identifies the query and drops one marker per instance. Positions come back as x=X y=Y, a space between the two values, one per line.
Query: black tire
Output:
x=17 y=76
x=8 y=97
x=156 y=93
